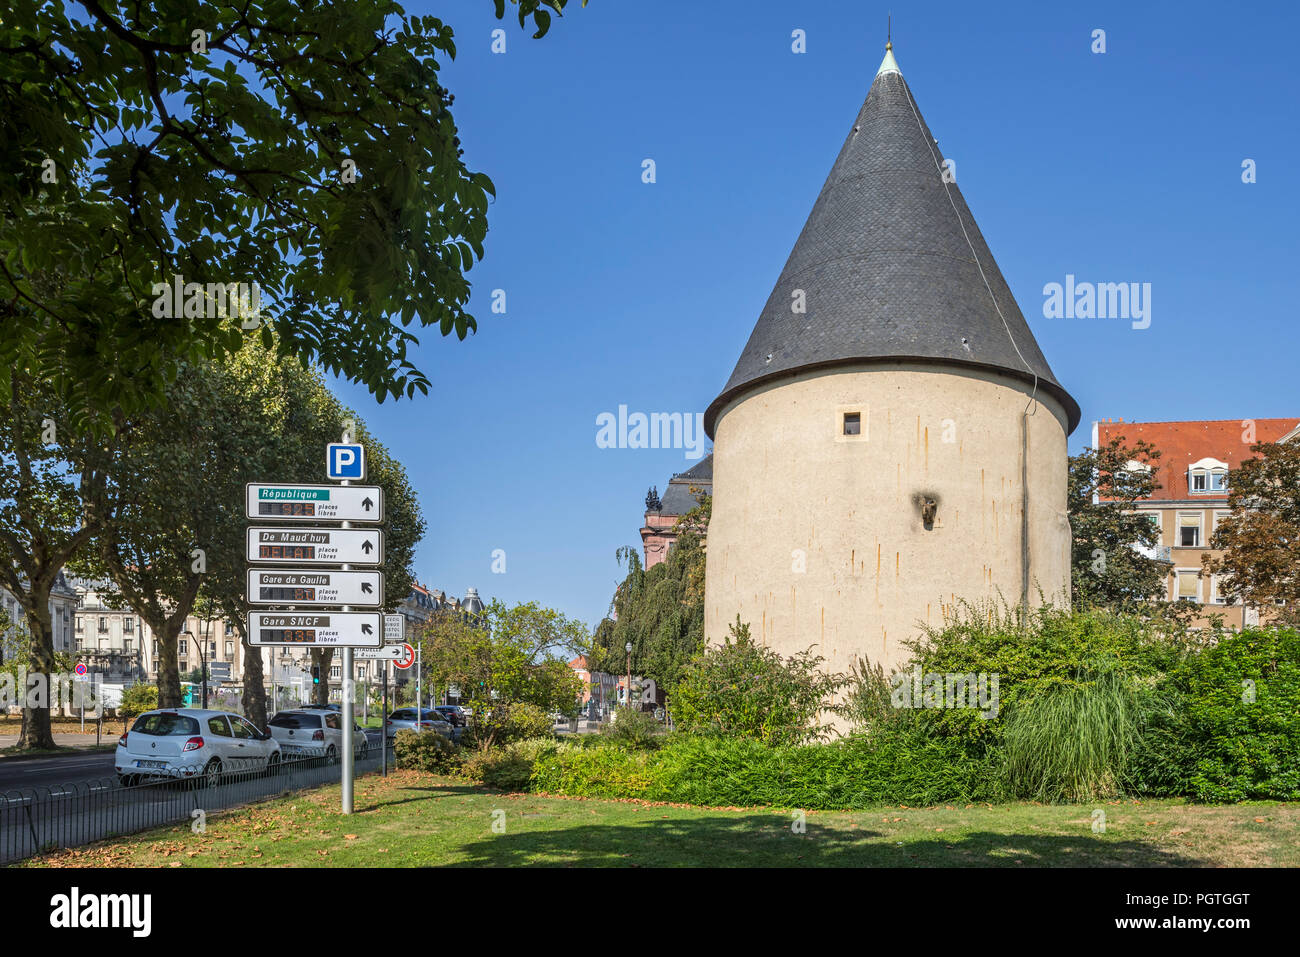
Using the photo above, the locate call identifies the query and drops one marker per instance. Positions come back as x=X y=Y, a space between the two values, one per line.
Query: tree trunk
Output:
x=254 y=686
x=36 y=734
x=169 y=676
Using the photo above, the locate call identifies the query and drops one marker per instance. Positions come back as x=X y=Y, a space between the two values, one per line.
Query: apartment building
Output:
x=1196 y=459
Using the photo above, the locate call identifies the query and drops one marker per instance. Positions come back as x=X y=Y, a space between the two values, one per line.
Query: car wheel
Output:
x=212 y=773
x=273 y=763
x=331 y=755
x=365 y=747
x=127 y=780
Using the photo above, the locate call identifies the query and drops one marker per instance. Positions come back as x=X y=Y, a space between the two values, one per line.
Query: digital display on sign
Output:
x=305 y=635
x=300 y=552
x=294 y=509
x=287 y=594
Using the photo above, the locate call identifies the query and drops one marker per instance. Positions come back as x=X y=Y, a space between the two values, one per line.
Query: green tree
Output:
x=1260 y=537
x=659 y=611
x=743 y=690
x=307 y=147
x=1106 y=569
x=56 y=495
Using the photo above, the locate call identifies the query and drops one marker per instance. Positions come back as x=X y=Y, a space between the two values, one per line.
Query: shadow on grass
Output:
x=763 y=840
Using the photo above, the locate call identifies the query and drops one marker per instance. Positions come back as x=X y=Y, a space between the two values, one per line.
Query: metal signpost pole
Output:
x=383 y=724
x=347 y=700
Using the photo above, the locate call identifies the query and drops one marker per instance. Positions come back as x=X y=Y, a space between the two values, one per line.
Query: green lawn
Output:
x=414 y=819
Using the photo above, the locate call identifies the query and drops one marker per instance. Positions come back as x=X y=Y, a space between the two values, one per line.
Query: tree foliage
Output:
x=660 y=611
x=308 y=147
x=1260 y=537
x=1106 y=569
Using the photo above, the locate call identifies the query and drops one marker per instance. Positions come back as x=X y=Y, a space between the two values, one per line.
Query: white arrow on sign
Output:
x=302 y=586
x=337 y=629
x=306 y=503
x=316 y=546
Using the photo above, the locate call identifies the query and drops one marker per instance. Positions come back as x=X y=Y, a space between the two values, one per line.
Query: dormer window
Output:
x=1207 y=476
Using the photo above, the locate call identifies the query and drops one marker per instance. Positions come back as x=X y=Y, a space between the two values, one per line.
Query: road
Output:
x=81 y=768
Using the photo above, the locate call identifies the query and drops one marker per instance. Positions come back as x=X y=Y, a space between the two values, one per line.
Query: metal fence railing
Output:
x=43 y=819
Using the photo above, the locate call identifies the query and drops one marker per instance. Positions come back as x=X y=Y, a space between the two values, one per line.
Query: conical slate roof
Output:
x=889 y=264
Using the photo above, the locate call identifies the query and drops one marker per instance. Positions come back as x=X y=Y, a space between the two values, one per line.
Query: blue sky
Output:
x=1122 y=166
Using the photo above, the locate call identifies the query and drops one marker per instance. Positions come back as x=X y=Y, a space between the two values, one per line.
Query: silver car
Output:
x=315 y=734
x=403 y=719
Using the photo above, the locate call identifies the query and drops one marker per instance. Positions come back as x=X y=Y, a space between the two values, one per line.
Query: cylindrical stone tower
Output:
x=892 y=439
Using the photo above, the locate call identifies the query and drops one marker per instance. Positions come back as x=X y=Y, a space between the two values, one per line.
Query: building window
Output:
x=1218 y=481
x=336 y=671
x=80 y=626
x=1189 y=529
x=230 y=628
x=103 y=624
x=1189 y=586
x=128 y=624
x=852 y=423
x=182 y=665
x=126 y=645
x=230 y=649
x=182 y=647
x=1199 y=481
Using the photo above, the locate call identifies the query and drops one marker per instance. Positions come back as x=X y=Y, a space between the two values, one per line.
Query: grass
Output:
x=413 y=819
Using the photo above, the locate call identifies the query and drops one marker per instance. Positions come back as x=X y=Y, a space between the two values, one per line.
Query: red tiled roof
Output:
x=1182 y=443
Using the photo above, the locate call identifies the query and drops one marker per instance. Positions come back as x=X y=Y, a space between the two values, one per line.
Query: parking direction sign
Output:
x=303 y=586
x=338 y=629
x=306 y=503
x=316 y=546
x=345 y=461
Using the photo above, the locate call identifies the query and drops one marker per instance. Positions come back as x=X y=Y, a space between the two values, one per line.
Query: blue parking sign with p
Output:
x=345 y=461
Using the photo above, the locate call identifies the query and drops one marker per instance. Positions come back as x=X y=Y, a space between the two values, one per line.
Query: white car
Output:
x=191 y=742
x=315 y=734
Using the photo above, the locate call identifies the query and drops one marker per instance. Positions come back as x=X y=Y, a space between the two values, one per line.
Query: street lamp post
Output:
x=628 y=698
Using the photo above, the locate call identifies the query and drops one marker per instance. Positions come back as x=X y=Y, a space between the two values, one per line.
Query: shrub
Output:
x=744 y=690
x=425 y=751
x=1243 y=716
x=138 y=699
x=633 y=729
x=508 y=768
x=506 y=723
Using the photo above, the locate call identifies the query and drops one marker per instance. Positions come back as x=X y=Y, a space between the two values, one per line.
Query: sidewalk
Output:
x=78 y=741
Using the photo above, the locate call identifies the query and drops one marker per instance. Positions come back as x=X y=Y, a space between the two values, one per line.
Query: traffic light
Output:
x=315 y=674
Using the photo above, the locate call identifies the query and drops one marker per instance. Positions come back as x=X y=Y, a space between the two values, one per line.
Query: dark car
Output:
x=319 y=707
x=451 y=713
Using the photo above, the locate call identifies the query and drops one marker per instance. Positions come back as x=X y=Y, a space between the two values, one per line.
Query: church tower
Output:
x=892 y=440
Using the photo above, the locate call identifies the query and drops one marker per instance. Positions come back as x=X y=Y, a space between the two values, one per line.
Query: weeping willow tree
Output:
x=660 y=611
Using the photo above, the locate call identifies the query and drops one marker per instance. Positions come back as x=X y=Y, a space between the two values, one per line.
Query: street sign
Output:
x=316 y=546
x=306 y=503
x=302 y=586
x=396 y=653
x=219 y=670
x=408 y=659
x=339 y=629
x=394 y=628
x=345 y=461
x=80 y=669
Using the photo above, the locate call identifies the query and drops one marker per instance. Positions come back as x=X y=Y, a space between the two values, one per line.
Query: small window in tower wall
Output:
x=852 y=423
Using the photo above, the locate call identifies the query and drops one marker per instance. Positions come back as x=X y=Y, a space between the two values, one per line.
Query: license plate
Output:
x=151 y=764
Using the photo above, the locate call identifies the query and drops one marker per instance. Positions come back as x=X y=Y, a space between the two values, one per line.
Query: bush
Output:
x=1242 y=717
x=426 y=751
x=907 y=767
x=743 y=690
x=507 y=722
x=138 y=699
x=509 y=768
x=632 y=729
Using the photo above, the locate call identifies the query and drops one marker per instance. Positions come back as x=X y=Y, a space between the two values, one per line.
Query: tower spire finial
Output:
x=889 y=31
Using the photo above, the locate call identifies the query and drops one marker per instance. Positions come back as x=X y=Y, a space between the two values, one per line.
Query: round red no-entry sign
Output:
x=408 y=659
x=80 y=669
